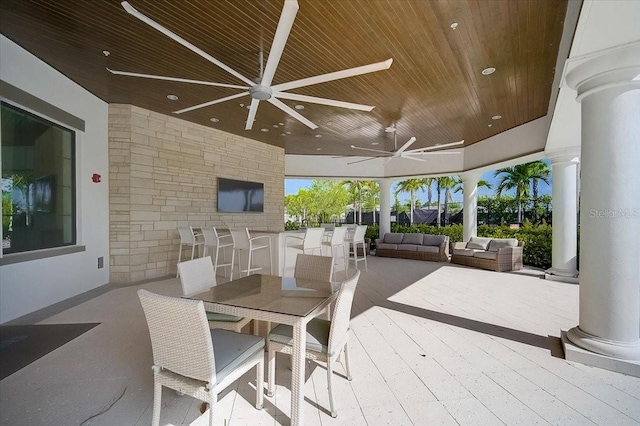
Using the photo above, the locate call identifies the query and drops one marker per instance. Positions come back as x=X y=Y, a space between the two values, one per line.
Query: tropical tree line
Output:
x=328 y=201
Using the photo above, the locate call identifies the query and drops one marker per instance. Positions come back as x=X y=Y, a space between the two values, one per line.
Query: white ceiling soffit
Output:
x=507 y=148
x=602 y=26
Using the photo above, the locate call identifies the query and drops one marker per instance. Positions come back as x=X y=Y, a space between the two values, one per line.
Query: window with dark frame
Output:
x=38 y=182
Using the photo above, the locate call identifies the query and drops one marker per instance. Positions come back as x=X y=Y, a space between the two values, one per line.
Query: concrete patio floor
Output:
x=431 y=344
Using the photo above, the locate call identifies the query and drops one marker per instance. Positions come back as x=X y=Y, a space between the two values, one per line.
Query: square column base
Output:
x=560 y=278
x=574 y=353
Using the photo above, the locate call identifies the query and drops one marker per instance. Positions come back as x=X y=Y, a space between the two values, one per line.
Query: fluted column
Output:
x=608 y=88
x=385 y=206
x=470 y=204
x=565 y=212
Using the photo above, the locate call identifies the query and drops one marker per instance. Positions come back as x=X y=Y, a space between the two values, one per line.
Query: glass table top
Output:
x=284 y=295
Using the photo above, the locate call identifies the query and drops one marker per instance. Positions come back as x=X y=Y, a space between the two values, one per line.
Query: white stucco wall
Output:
x=28 y=286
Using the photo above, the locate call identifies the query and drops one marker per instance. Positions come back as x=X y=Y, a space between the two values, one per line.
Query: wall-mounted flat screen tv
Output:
x=240 y=196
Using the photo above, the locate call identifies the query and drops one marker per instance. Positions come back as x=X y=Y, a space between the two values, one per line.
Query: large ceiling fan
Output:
x=404 y=152
x=262 y=89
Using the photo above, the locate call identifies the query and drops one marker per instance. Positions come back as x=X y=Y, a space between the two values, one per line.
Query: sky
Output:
x=291 y=186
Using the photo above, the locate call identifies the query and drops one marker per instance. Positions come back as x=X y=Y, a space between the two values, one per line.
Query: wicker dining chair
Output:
x=326 y=340
x=197 y=276
x=313 y=267
x=193 y=359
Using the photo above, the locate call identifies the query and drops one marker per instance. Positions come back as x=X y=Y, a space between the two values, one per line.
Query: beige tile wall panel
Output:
x=163 y=173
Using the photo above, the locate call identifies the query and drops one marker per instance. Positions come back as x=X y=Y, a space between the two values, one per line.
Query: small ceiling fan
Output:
x=404 y=152
x=261 y=89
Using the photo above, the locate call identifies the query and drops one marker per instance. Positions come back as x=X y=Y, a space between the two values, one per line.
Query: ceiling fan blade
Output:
x=378 y=66
x=372 y=150
x=362 y=161
x=406 y=145
x=132 y=11
x=410 y=157
x=322 y=101
x=179 y=80
x=443 y=152
x=216 y=101
x=252 y=113
x=292 y=112
x=429 y=148
x=288 y=15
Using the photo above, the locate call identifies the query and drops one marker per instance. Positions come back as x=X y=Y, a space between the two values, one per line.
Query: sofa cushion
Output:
x=393 y=238
x=478 y=243
x=433 y=240
x=385 y=246
x=408 y=247
x=412 y=239
x=466 y=252
x=498 y=243
x=491 y=255
x=428 y=249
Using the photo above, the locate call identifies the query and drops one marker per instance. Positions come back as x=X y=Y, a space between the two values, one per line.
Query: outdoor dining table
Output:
x=284 y=300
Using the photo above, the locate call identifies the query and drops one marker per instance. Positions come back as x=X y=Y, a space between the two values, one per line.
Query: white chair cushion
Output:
x=491 y=255
x=465 y=252
x=498 y=243
x=408 y=247
x=393 y=238
x=415 y=239
x=429 y=249
x=212 y=316
x=478 y=243
x=317 y=335
x=231 y=349
x=385 y=246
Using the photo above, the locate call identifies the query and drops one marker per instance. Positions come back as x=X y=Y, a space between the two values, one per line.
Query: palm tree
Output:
x=357 y=188
x=411 y=186
x=520 y=178
x=446 y=183
x=429 y=190
x=540 y=172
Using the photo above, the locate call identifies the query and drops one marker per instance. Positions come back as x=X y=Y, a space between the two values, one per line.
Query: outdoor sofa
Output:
x=414 y=246
x=495 y=254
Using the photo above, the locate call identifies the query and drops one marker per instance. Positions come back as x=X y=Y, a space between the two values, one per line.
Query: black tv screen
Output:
x=240 y=196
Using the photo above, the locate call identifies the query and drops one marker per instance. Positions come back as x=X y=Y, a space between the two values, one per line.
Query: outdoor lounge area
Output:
x=431 y=344
x=130 y=127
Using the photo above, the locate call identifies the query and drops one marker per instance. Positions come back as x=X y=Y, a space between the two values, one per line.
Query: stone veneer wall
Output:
x=162 y=174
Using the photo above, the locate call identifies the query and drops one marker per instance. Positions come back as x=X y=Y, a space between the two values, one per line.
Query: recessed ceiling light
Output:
x=489 y=125
x=215 y=120
x=496 y=117
x=454 y=25
x=318 y=136
x=318 y=149
x=488 y=71
x=241 y=105
x=280 y=124
x=264 y=130
x=248 y=106
x=299 y=107
x=172 y=97
x=283 y=134
x=288 y=133
x=106 y=53
x=275 y=126
x=390 y=129
x=374 y=143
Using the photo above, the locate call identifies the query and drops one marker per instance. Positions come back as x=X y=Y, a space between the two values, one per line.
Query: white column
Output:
x=564 y=250
x=470 y=204
x=609 y=89
x=385 y=206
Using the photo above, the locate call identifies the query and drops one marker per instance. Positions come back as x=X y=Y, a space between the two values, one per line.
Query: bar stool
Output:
x=188 y=238
x=353 y=241
x=336 y=241
x=311 y=242
x=242 y=240
x=216 y=241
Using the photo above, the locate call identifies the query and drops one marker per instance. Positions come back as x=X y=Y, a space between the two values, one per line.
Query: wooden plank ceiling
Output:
x=434 y=90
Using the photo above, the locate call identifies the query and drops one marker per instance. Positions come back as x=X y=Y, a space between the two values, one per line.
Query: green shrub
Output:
x=291 y=225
